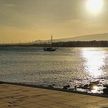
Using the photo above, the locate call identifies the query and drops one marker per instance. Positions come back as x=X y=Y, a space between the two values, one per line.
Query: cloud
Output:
x=26 y=12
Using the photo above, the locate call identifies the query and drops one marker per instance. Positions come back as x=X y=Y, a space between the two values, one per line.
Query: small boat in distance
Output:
x=51 y=48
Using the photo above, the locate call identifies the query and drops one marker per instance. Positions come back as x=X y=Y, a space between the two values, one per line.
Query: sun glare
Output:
x=94 y=6
x=94 y=61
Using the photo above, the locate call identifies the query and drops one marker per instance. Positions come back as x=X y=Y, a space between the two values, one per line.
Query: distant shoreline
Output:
x=61 y=44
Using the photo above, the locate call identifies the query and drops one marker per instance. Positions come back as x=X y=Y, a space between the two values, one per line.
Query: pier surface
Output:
x=15 y=96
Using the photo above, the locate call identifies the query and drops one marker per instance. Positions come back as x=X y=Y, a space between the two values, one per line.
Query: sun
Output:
x=94 y=6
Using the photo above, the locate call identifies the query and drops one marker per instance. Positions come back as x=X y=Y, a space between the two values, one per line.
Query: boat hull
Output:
x=49 y=49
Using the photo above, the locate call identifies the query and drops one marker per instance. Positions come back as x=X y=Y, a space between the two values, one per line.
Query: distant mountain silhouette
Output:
x=97 y=37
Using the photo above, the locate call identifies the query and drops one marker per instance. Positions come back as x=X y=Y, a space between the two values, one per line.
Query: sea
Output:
x=32 y=65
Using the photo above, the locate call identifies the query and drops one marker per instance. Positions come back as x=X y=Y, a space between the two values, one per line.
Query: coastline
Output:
x=54 y=89
x=18 y=96
x=92 y=43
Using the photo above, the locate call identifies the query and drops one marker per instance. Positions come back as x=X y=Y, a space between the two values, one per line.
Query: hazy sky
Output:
x=28 y=20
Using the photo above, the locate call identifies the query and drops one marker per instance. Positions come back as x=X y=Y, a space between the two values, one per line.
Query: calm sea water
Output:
x=35 y=66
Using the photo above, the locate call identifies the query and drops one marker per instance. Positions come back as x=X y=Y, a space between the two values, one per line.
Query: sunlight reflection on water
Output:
x=74 y=66
x=94 y=61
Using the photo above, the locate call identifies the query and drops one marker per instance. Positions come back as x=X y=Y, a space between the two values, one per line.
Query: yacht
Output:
x=50 y=48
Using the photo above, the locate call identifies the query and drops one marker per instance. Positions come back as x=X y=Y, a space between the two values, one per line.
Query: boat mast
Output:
x=51 y=40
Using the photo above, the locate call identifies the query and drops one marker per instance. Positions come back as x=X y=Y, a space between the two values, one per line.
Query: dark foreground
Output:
x=16 y=96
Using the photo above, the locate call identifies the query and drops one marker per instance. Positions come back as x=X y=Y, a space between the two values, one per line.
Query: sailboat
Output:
x=51 y=48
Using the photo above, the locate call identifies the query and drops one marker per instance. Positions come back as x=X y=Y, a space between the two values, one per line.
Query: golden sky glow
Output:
x=28 y=20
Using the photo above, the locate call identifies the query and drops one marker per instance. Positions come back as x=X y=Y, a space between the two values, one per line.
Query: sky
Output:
x=30 y=20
